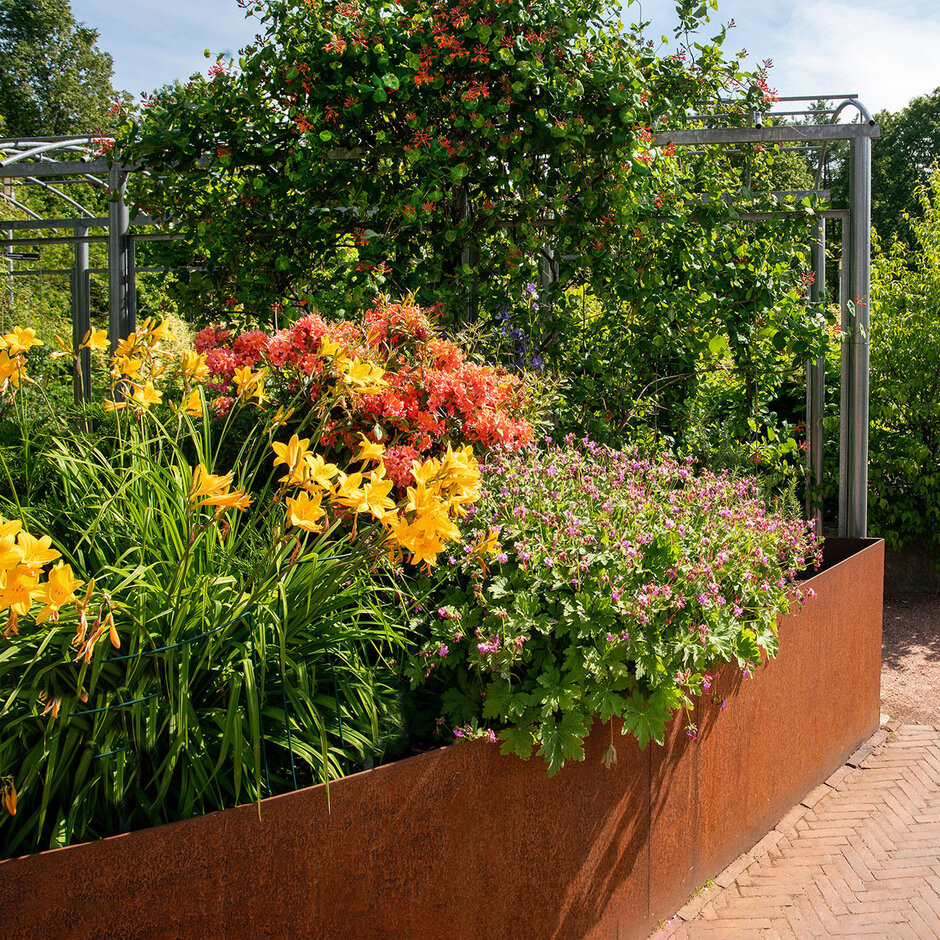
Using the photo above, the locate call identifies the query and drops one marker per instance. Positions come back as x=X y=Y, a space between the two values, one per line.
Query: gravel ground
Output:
x=910 y=666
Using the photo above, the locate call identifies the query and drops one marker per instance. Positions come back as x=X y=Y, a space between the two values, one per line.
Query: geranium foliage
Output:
x=619 y=585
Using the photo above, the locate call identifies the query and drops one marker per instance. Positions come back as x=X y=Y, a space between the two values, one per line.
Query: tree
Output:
x=53 y=78
x=422 y=146
x=902 y=161
x=497 y=157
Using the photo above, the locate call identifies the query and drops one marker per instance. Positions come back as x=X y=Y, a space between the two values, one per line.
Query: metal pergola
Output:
x=52 y=163
x=854 y=281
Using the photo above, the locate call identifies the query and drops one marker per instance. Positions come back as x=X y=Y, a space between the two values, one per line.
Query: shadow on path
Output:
x=910 y=673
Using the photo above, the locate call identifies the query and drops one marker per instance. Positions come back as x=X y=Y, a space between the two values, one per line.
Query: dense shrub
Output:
x=904 y=433
x=436 y=147
x=433 y=395
x=619 y=585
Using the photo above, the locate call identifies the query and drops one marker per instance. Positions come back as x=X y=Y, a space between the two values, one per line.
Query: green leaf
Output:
x=519 y=741
x=563 y=740
x=646 y=718
x=718 y=343
x=498 y=698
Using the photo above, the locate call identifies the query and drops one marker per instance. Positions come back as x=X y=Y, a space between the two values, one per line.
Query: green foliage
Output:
x=433 y=150
x=53 y=78
x=250 y=659
x=904 y=435
x=619 y=585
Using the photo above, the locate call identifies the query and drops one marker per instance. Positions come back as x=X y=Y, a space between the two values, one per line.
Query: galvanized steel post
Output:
x=119 y=319
x=816 y=390
x=853 y=509
x=81 y=315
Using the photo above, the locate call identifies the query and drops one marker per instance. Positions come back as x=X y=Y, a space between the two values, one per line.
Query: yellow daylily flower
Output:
x=362 y=376
x=125 y=366
x=347 y=490
x=369 y=450
x=12 y=368
x=146 y=396
x=247 y=381
x=306 y=511
x=330 y=348
x=236 y=499
x=153 y=331
x=319 y=473
x=281 y=416
x=422 y=542
x=375 y=499
x=10 y=555
x=126 y=347
x=35 y=553
x=95 y=340
x=209 y=484
x=215 y=490
x=56 y=593
x=193 y=367
x=16 y=595
x=192 y=404
x=64 y=350
x=20 y=340
x=293 y=455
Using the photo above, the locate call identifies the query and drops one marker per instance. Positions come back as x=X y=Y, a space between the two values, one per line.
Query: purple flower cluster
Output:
x=618 y=575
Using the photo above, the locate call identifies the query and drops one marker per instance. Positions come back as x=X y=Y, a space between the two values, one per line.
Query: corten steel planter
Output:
x=463 y=843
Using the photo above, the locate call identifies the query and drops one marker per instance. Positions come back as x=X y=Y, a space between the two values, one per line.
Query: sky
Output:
x=886 y=51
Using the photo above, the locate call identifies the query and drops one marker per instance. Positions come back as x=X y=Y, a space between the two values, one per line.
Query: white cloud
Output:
x=156 y=41
x=886 y=51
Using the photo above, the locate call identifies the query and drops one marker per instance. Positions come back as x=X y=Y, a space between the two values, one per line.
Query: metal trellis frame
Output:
x=73 y=160
x=854 y=288
x=65 y=160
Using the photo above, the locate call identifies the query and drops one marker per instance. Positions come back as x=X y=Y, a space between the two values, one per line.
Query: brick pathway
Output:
x=859 y=857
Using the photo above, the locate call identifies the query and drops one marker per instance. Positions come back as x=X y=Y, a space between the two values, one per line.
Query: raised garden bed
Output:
x=461 y=842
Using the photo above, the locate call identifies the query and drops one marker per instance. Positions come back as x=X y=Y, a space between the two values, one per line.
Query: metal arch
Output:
x=61 y=195
x=854 y=296
x=44 y=147
x=863 y=112
x=30 y=159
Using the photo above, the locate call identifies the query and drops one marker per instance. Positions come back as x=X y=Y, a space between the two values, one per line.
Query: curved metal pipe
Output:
x=61 y=195
x=43 y=148
x=20 y=205
x=863 y=113
x=862 y=110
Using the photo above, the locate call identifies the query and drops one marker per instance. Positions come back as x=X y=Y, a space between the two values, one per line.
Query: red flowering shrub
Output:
x=433 y=394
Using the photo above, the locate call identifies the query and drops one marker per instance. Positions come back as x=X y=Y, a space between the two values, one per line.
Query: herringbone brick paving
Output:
x=860 y=857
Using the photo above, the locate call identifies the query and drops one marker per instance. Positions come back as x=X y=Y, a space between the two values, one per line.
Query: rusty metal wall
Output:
x=461 y=842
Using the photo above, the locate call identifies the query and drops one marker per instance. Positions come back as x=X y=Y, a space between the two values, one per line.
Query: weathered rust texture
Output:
x=673 y=836
x=462 y=842
x=789 y=728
